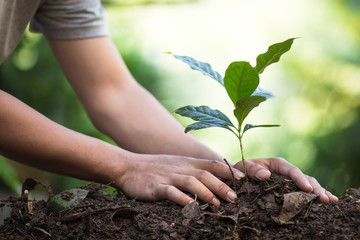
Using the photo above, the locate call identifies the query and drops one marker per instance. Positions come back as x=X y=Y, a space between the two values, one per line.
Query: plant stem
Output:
x=232 y=174
x=242 y=155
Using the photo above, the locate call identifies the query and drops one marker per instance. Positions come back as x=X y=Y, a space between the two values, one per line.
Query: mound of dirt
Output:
x=272 y=209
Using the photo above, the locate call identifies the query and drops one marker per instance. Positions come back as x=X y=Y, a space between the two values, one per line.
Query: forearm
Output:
x=30 y=138
x=137 y=122
x=118 y=105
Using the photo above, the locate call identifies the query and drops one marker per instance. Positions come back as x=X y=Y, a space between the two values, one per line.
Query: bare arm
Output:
x=118 y=105
x=30 y=138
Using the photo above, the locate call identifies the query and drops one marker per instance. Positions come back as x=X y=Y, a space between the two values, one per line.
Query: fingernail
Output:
x=325 y=199
x=262 y=174
x=231 y=195
x=238 y=175
x=215 y=201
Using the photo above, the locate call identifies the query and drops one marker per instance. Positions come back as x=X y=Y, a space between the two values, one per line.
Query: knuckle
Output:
x=252 y=167
x=279 y=160
x=213 y=164
x=203 y=175
x=165 y=191
x=189 y=180
x=312 y=179
x=208 y=196
x=295 y=171
x=223 y=188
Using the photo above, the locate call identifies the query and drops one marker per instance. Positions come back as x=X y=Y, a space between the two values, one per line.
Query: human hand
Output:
x=156 y=177
x=261 y=168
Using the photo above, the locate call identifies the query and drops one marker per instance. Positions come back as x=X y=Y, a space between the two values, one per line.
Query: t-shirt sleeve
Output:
x=70 y=19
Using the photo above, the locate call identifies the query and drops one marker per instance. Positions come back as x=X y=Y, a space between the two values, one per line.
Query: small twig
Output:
x=307 y=211
x=43 y=231
x=184 y=225
x=76 y=216
x=20 y=231
x=271 y=188
x=256 y=198
x=232 y=174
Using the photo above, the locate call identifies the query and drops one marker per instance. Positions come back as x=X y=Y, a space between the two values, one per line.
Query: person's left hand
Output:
x=261 y=168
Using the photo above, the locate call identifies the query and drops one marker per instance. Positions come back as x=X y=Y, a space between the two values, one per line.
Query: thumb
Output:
x=254 y=170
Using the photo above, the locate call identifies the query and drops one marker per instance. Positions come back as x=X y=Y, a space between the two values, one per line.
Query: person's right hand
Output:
x=157 y=177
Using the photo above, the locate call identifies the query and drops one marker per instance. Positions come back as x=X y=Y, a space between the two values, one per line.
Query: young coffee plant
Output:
x=241 y=83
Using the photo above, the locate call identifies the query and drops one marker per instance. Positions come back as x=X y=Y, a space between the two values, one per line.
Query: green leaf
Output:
x=206 y=116
x=67 y=199
x=263 y=93
x=203 y=67
x=244 y=107
x=272 y=55
x=250 y=126
x=8 y=176
x=202 y=125
x=240 y=80
x=110 y=190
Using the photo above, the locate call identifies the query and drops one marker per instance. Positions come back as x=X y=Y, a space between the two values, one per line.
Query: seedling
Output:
x=241 y=83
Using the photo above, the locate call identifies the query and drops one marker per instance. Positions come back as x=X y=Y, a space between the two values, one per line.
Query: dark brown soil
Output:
x=253 y=216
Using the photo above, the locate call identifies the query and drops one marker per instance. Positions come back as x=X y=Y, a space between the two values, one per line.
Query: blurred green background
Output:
x=317 y=83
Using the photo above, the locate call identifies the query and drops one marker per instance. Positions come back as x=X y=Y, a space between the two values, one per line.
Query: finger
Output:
x=219 y=169
x=205 y=187
x=304 y=182
x=194 y=186
x=254 y=170
x=332 y=197
x=215 y=185
x=323 y=197
x=284 y=168
x=173 y=194
x=260 y=169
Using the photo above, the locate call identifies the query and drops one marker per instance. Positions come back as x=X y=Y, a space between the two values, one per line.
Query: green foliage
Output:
x=204 y=68
x=250 y=126
x=272 y=55
x=67 y=199
x=241 y=82
x=244 y=107
x=8 y=176
x=205 y=116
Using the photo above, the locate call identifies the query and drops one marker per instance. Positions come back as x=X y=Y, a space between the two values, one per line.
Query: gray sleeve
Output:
x=70 y=19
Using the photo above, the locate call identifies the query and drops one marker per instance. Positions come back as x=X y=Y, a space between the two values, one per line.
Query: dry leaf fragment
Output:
x=293 y=204
x=353 y=192
x=267 y=202
x=124 y=212
x=204 y=206
x=248 y=187
x=191 y=210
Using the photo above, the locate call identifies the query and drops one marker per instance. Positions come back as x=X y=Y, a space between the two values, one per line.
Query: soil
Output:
x=257 y=214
